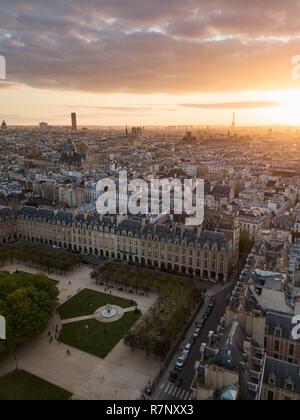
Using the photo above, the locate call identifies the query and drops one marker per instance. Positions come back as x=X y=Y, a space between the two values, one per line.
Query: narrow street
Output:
x=166 y=390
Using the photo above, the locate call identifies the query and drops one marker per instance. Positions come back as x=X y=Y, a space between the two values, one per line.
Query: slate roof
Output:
x=276 y=320
x=281 y=371
x=5 y=212
x=230 y=355
x=162 y=232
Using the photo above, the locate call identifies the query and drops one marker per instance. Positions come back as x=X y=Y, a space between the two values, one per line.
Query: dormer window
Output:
x=278 y=332
x=289 y=385
x=272 y=379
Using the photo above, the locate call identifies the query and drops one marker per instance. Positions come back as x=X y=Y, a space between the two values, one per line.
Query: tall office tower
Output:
x=74 y=121
x=233 y=121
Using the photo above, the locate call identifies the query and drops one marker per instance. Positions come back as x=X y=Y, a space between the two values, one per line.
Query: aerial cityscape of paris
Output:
x=150 y=202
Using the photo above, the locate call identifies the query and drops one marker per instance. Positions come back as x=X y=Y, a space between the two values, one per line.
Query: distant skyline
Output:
x=158 y=62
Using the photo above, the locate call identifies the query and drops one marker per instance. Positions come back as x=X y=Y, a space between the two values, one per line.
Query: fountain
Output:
x=109 y=312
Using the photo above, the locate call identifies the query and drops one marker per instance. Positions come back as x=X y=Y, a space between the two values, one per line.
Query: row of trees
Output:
x=176 y=300
x=246 y=244
x=27 y=302
x=39 y=257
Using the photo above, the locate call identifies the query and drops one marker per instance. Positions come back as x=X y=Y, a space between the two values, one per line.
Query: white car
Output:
x=188 y=347
x=181 y=361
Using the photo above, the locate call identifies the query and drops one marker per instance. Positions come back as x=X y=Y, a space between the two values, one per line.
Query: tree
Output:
x=245 y=243
x=28 y=303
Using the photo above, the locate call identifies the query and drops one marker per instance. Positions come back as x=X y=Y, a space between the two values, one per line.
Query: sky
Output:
x=146 y=62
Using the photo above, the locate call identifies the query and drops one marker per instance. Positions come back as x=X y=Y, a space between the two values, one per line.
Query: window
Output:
x=277 y=332
x=276 y=345
x=289 y=385
x=272 y=379
x=270 y=396
x=292 y=350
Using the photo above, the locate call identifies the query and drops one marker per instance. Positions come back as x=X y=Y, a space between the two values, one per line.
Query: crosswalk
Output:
x=175 y=392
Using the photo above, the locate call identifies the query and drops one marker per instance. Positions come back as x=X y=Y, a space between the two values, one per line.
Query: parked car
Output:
x=197 y=332
x=180 y=362
x=201 y=323
x=188 y=347
x=206 y=315
x=192 y=340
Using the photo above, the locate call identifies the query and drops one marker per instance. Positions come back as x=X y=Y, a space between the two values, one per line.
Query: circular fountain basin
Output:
x=109 y=313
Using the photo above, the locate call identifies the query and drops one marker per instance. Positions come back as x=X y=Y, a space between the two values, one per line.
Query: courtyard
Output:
x=122 y=374
x=85 y=329
x=95 y=337
x=87 y=301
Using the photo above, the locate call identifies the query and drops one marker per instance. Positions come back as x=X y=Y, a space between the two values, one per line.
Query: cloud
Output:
x=234 y=105
x=9 y=85
x=155 y=46
x=137 y=108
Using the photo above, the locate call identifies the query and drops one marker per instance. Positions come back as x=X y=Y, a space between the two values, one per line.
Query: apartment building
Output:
x=171 y=247
x=279 y=342
x=8 y=226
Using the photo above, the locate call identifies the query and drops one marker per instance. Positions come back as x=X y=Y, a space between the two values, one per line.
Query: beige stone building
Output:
x=8 y=226
x=170 y=247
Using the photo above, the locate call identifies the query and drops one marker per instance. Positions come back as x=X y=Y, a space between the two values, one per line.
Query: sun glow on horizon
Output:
x=55 y=107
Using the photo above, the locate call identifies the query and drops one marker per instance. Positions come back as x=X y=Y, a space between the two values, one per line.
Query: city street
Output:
x=166 y=390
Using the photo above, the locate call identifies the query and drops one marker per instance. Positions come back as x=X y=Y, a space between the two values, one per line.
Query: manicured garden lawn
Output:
x=21 y=385
x=100 y=338
x=88 y=301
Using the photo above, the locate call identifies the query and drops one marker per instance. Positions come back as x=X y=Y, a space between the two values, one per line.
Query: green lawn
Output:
x=101 y=338
x=88 y=301
x=21 y=385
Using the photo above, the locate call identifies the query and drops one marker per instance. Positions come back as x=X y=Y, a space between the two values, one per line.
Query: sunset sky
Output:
x=150 y=61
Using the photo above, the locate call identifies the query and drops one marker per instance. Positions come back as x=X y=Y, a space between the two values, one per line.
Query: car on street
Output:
x=206 y=315
x=192 y=340
x=197 y=332
x=180 y=362
x=201 y=323
x=188 y=347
